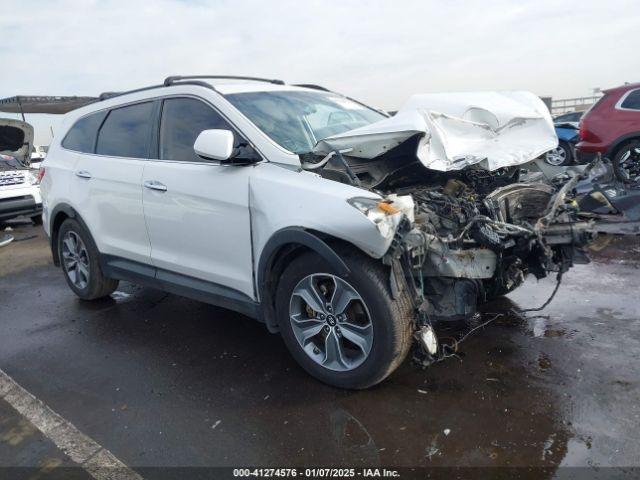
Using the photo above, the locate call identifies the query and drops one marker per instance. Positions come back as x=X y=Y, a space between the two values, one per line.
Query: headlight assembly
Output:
x=382 y=213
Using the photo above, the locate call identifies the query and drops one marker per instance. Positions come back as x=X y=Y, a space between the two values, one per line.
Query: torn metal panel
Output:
x=489 y=129
x=469 y=263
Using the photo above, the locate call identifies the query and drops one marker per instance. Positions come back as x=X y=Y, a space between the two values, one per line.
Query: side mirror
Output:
x=214 y=145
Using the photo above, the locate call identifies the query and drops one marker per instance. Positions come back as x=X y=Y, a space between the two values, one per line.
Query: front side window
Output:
x=183 y=119
x=297 y=120
x=632 y=100
x=126 y=132
x=82 y=136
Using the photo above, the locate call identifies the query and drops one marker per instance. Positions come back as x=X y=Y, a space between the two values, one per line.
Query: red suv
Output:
x=612 y=127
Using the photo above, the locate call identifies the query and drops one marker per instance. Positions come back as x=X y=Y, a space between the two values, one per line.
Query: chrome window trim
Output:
x=152 y=99
x=619 y=103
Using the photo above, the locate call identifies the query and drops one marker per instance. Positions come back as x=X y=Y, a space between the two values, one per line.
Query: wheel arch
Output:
x=620 y=142
x=59 y=214
x=285 y=245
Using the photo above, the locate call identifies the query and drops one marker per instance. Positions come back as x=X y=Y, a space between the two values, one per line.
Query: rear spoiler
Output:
x=43 y=104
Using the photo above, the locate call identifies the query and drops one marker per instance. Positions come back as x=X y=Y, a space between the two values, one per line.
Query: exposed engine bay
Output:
x=464 y=236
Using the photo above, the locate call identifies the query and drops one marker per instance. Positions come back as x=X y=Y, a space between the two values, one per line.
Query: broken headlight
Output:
x=382 y=213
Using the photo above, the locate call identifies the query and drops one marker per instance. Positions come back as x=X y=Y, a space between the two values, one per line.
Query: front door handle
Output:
x=83 y=174
x=154 y=185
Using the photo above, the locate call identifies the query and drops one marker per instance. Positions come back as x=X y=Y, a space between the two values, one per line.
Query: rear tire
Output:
x=80 y=262
x=626 y=163
x=367 y=360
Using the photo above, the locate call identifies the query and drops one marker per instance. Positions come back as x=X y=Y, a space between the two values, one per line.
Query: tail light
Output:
x=583 y=130
x=40 y=176
x=587 y=135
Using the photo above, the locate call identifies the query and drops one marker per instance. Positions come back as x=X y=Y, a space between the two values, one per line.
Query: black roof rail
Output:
x=107 y=95
x=313 y=86
x=179 y=78
x=190 y=80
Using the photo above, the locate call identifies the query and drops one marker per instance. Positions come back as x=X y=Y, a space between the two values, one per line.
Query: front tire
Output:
x=345 y=331
x=626 y=163
x=79 y=258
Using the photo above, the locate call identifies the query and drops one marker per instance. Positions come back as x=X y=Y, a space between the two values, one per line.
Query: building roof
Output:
x=43 y=104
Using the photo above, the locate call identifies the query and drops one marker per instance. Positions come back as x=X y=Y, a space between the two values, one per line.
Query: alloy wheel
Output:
x=630 y=164
x=75 y=259
x=331 y=322
x=556 y=157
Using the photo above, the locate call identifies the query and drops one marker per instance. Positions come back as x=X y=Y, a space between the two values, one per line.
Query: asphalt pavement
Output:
x=162 y=381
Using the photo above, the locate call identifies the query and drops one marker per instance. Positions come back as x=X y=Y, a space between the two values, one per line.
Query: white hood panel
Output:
x=492 y=129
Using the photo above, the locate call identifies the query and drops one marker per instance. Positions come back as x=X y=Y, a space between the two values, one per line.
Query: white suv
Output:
x=298 y=207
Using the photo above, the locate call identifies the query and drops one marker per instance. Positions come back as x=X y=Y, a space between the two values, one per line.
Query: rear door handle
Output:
x=83 y=174
x=154 y=185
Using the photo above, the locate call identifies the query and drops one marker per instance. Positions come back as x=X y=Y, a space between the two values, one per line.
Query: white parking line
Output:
x=99 y=462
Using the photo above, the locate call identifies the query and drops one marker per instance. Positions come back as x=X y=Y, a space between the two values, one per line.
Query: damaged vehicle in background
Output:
x=19 y=190
x=349 y=232
x=564 y=153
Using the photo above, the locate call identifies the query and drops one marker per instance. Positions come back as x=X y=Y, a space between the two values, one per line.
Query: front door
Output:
x=197 y=212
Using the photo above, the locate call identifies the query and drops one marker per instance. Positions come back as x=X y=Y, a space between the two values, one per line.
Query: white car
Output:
x=346 y=231
x=19 y=189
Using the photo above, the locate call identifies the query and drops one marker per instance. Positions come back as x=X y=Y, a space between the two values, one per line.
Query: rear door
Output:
x=197 y=212
x=107 y=186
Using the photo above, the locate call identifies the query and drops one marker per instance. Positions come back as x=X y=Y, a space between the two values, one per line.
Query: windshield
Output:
x=297 y=120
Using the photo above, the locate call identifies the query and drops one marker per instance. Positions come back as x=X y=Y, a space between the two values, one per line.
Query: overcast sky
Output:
x=380 y=52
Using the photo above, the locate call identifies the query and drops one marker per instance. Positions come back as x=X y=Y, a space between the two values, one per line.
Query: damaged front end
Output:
x=464 y=248
x=455 y=248
x=465 y=228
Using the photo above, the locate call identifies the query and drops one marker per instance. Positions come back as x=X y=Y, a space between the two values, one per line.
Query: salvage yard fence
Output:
x=577 y=104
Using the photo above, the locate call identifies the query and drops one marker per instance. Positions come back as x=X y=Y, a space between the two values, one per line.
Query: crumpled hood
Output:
x=16 y=139
x=491 y=129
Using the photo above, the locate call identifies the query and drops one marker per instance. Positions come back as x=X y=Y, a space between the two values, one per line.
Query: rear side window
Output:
x=183 y=119
x=632 y=100
x=82 y=136
x=126 y=132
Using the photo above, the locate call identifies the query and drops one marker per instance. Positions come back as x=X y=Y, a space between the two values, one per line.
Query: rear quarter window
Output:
x=631 y=100
x=126 y=132
x=82 y=135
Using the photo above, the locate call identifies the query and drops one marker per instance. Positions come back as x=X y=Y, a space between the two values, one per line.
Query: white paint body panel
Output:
x=492 y=129
x=200 y=226
x=110 y=203
x=11 y=191
x=283 y=198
